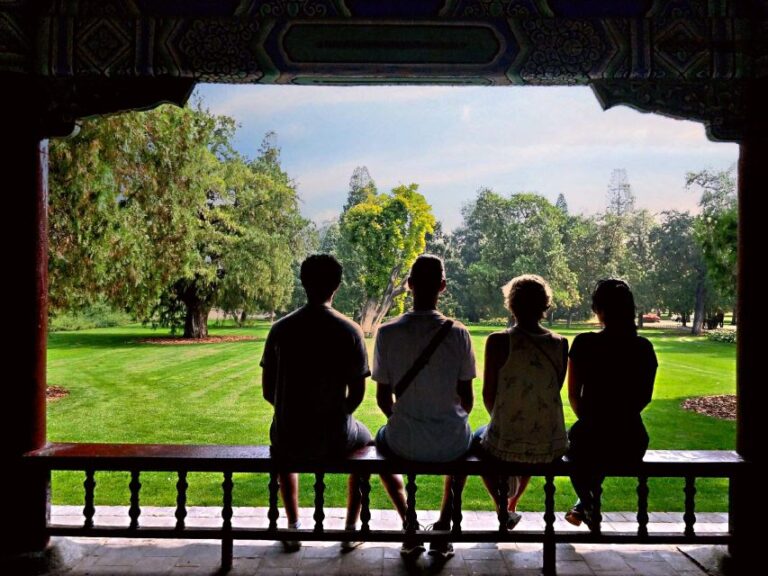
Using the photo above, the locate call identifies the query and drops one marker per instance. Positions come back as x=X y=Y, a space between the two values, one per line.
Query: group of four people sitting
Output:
x=315 y=365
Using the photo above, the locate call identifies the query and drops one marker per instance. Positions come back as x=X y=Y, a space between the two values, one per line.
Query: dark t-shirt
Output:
x=314 y=353
x=617 y=373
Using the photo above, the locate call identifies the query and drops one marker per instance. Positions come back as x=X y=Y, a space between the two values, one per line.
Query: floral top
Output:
x=527 y=423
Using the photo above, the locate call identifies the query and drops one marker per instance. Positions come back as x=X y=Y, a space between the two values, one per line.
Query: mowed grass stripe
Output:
x=123 y=390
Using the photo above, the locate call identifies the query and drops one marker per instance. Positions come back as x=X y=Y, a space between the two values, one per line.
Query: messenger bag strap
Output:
x=423 y=358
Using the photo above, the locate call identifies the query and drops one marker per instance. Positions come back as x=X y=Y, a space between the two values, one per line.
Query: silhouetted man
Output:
x=314 y=369
x=427 y=418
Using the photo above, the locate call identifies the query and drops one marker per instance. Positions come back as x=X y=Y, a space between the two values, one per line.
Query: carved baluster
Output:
x=642 y=506
x=89 y=509
x=181 y=499
x=411 y=520
x=502 y=493
x=135 y=510
x=456 y=515
x=274 y=513
x=549 y=526
x=226 y=509
x=319 y=501
x=226 y=525
x=365 y=502
x=690 y=505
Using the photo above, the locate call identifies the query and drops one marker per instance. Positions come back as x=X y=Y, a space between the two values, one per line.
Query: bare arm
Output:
x=355 y=394
x=574 y=389
x=384 y=398
x=466 y=394
x=496 y=352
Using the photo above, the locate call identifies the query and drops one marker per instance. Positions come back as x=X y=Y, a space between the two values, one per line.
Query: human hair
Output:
x=527 y=297
x=613 y=299
x=427 y=273
x=321 y=276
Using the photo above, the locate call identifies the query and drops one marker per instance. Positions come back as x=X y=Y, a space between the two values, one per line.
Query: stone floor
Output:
x=96 y=556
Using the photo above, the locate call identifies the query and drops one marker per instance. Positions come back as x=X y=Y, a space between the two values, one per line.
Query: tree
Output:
x=717 y=228
x=156 y=213
x=621 y=199
x=361 y=187
x=561 y=204
x=249 y=235
x=120 y=223
x=504 y=237
x=386 y=232
x=680 y=270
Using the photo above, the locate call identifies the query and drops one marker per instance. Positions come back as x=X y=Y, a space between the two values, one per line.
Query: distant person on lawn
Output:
x=426 y=402
x=314 y=368
x=524 y=373
x=610 y=381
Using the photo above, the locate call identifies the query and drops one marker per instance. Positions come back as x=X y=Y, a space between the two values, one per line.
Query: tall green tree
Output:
x=155 y=212
x=717 y=226
x=680 y=273
x=120 y=192
x=502 y=237
x=248 y=237
x=386 y=232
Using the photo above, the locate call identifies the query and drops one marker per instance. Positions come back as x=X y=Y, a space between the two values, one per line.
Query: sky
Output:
x=452 y=141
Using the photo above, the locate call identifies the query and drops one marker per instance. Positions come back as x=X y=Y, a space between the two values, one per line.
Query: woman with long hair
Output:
x=610 y=381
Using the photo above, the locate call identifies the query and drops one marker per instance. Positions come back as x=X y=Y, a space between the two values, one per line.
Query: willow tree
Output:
x=387 y=233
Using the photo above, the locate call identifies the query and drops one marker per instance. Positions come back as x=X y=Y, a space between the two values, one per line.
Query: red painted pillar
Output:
x=24 y=184
x=746 y=520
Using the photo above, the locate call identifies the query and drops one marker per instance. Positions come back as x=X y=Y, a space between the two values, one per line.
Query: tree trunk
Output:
x=243 y=318
x=568 y=320
x=196 y=321
x=368 y=316
x=639 y=318
x=698 y=312
x=375 y=309
x=733 y=317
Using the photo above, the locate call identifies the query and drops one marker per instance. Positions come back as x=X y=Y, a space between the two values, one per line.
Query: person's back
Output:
x=317 y=351
x=524 y=372
x=617 y=371
x=527 y=422
x=427 y=422
x=423 y=365
x=313 y=372
x=610 y=382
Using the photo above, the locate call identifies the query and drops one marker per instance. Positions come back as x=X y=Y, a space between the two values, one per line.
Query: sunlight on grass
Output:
x=125 y=391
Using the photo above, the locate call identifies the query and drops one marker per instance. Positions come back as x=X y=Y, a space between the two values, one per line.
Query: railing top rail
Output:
x=256 y=458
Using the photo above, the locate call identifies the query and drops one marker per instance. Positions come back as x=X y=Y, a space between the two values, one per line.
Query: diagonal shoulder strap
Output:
x=423 y=358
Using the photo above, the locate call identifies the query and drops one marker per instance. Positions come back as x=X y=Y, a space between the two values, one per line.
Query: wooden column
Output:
x=745 y=518
x=24 y=184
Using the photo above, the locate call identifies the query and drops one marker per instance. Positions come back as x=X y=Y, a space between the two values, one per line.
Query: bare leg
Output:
x=491 y=484
x=289 y=489
x=522 y=484
x=446 y=506
x=354 y=500
x=393 y=483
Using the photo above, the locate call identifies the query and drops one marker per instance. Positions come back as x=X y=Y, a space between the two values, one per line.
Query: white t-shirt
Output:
x=427 y=424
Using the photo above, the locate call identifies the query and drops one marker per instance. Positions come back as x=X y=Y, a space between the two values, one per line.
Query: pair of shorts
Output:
x=358 y=436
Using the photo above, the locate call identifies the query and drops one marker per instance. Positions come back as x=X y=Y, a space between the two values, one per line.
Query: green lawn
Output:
x=122 y=390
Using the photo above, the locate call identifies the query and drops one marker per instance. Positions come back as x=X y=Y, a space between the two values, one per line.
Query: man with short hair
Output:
x=314 y=368
x=427 y=418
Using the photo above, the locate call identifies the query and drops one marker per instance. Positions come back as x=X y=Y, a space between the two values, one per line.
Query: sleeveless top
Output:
x=527 y=423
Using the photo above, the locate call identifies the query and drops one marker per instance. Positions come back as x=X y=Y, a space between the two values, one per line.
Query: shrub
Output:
x=728 y=336
x=98 y=315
